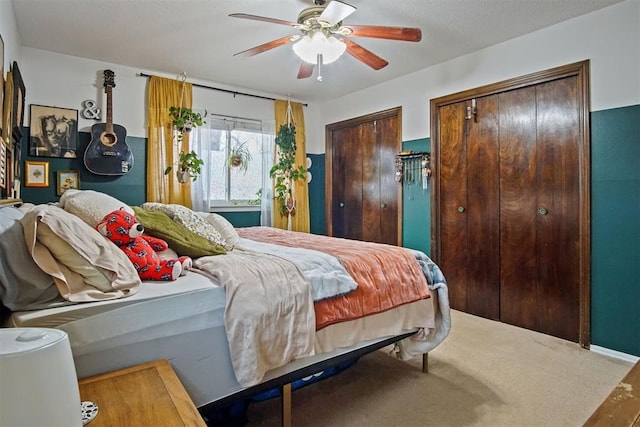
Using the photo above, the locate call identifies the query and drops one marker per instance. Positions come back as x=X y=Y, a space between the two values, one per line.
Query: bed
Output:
x=205 y=323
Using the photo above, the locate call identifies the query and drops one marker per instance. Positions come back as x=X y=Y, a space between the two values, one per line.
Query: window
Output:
x=225 y=184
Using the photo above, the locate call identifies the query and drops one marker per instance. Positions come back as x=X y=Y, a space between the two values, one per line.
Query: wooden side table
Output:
x=149 y=394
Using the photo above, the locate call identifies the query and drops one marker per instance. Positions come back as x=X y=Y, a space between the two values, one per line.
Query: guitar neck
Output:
x=109 y=124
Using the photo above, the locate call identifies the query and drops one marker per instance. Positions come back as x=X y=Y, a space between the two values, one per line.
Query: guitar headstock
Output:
x=109 y=79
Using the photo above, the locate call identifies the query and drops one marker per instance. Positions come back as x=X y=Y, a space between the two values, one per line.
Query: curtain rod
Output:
x=233 y=92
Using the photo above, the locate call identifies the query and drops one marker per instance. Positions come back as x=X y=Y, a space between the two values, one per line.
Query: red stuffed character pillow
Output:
x=122 y=229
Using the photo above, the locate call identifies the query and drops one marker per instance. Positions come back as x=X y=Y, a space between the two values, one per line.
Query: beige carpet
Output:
x=485 y=373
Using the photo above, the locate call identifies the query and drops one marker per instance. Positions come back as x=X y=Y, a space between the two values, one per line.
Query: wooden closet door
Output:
x=529 y=140
x=380 y=190
x=469 y=206
x=363 y=196
x=347 y=168
x=540 y=199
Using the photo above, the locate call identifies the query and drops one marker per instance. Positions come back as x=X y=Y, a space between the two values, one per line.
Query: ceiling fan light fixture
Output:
x=308 y=48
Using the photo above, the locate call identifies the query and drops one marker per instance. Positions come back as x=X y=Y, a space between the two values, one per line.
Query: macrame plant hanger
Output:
x=290 y=202
x=181 y=175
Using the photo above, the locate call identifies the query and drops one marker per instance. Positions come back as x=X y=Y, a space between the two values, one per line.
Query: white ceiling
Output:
x=199 y=38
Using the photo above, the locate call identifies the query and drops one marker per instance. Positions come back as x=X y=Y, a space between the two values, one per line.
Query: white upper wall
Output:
x=610 y=38
x=66 y=81
x=9 y=33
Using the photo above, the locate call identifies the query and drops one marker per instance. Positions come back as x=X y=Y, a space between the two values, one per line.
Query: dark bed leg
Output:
x=286 y=406
x=425 y=363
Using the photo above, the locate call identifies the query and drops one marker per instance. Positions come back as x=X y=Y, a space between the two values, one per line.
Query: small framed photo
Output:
x=53 y=131
x=67 y=180
x=36 y=174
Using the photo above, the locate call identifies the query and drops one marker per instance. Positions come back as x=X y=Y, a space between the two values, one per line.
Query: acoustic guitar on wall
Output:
x=108 y=152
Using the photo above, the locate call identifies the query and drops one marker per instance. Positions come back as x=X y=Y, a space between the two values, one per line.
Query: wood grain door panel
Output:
x=483 y=213
x=518 y=209
x=387 y=136
x=362 y=194
x=454 y=258
x=558 y=192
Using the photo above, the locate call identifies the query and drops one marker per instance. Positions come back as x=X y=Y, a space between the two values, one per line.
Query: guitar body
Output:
x=108 y=152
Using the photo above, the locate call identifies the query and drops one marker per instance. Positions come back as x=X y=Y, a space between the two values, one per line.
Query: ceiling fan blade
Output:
x=305 y=71
x=263 y=19
x=268 y=46
x=381 y=32
x=335 y=12
x=364 y=55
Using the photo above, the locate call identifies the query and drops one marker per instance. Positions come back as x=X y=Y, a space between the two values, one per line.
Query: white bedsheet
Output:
x=326 y=274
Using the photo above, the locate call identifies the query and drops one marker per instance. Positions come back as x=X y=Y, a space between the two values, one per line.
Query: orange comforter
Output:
x=387 y=276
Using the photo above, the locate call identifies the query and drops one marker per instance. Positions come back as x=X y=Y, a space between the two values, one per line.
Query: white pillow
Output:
x=90 y=206
x=224 y=227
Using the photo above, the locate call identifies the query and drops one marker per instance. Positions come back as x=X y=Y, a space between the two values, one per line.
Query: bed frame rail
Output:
x=284 y=382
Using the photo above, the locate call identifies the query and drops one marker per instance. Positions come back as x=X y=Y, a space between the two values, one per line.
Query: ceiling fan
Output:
x=323 y=38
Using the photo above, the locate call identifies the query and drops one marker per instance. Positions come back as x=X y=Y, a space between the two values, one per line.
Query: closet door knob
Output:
x=543 y=211
x=341 y=204
x=460 y=209
x=383 y=205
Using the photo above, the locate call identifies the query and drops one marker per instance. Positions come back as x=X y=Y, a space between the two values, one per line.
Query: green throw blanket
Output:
x=180 y=239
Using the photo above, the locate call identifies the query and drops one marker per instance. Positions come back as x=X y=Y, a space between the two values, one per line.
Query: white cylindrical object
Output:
x=38 y=384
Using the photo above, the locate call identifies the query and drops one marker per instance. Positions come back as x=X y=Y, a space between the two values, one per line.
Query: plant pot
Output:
x=183 y=176
x=235 y=161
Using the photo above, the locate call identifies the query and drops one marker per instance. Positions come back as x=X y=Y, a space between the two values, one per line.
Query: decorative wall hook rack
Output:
x=413 y=167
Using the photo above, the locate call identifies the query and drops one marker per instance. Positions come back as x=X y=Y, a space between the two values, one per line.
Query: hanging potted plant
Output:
x=184 y=119
x=240 y=156
x=285 y=171
x=189 y=167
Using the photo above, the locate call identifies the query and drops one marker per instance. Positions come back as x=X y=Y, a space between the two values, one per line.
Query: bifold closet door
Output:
x=364 y=194
x=348 y=149
x=539 y=208
x=469 y=206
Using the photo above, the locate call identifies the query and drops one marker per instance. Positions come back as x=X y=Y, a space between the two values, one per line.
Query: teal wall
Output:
x=129 y=188
x=416 y=211
x=615 y=229
x=317 y=197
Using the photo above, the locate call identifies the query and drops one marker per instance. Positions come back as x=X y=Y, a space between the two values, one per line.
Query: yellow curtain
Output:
x=162 y=151
x=299 y=221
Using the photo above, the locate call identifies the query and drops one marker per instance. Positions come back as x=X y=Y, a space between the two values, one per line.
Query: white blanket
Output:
x=269 y=315
x=326 y=274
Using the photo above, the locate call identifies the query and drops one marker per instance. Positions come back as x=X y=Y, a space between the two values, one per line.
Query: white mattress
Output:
x=158 y=309
x=183 y=321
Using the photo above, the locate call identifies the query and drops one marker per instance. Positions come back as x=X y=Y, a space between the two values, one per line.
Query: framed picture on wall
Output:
x=53 y=131
x=36 y=174
x=18 y=102
x=6 y=109
x=67 y=180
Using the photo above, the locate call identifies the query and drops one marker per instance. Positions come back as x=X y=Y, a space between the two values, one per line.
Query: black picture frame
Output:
x=19 y=94
x=53 y=131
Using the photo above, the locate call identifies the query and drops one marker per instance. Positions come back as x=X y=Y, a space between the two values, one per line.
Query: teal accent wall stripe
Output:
x=317 y=198
x=615 y=229
x=416 y=218
x=129 y=188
